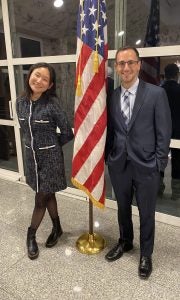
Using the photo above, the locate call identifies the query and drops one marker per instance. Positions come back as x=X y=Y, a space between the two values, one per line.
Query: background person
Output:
x=110 y=83
x=172 y=89
x=39 y=116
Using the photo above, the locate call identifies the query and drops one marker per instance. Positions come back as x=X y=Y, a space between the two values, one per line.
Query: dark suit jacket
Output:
x=147 y=138
x=172 y=89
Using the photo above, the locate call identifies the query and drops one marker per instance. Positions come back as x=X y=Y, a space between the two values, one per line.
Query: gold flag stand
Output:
x=90 y=243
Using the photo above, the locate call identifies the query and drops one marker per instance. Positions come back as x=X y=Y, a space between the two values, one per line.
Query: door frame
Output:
x=9 y=63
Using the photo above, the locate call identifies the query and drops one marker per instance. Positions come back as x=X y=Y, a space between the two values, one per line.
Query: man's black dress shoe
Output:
x=145 y=267
x=117 y=251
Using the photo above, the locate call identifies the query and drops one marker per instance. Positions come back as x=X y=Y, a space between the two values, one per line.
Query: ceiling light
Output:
x=58 y=3
x=138 y=42
x=121 y=33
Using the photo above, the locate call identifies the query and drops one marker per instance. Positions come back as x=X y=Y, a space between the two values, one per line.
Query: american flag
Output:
x=151 y=65
x=90 y=102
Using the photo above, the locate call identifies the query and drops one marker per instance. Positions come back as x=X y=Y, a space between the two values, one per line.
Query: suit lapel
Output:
x=140 y=97
x=120 y=115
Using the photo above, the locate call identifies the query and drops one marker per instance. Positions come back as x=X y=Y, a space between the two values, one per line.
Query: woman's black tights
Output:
x=43 y=201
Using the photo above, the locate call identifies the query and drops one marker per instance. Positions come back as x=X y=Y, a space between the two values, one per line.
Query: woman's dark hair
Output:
x=49 y=92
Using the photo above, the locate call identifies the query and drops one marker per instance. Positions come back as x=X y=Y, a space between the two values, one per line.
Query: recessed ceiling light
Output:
x=121 y=33
x=58 y=3
x=138 y=42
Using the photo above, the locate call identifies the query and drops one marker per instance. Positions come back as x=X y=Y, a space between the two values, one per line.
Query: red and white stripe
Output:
x=90 y=125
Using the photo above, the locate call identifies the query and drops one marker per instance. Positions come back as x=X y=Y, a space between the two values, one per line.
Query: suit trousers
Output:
x=143 y=182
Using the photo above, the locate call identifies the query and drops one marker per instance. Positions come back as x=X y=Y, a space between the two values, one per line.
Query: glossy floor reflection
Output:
x=64 y=273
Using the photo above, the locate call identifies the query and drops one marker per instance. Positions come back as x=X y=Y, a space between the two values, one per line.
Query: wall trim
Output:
x=159 y=217
x=80 y=195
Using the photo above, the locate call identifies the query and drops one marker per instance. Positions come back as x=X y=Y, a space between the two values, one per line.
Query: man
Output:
x=172 y=89
x=138 y=137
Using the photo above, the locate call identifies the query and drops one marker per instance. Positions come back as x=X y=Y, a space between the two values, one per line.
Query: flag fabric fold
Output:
x=90 y=102
x=150 y=67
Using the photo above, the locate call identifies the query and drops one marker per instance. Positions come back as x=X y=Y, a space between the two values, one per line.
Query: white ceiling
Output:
x=41 y=18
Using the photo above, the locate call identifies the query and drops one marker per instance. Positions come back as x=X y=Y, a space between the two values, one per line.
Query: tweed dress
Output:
x=44 y=161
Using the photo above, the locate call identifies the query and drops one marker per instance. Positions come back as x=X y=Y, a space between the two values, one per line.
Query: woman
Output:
x=39 y=116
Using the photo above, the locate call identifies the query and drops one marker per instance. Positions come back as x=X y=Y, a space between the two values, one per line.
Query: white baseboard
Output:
x=9 y=175
x=80 y=195
x=160 y=217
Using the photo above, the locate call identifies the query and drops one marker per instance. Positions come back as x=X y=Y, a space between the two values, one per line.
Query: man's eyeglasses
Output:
x=130 y=63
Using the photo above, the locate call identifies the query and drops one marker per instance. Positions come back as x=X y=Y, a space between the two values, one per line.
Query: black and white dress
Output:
x=44 y=161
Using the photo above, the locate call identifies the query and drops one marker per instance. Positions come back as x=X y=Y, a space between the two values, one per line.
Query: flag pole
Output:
x=90 y=217
x=90 y=243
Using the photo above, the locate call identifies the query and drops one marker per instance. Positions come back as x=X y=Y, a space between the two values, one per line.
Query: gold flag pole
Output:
x=90 y=243
x=79 y=80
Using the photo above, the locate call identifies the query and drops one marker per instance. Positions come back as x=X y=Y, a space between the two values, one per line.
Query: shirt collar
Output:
x=132 y=89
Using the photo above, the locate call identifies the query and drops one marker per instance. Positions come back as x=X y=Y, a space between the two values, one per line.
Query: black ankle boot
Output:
x=55 y=233
x=32 y=246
